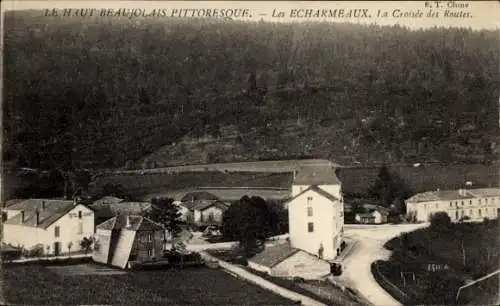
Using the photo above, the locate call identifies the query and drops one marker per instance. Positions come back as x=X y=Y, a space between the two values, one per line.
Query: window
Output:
x=479 y=201
x=56 y=231
x=451 y=203
x=462 y=203
x=486 y=201
x=309 y=211
x=151 y=252
x=470 y=202
x=150 y=237
x=310 y=227
x=80 y=228
x=79 y=214
x=456 y=204
x=479 y=212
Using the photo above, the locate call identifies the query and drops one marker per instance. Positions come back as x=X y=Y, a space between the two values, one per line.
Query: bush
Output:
x=36 y=251
x=440 y=220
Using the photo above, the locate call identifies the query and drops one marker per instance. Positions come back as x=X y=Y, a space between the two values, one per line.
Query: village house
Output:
x=55 y=226
x=461 y=204
x=282 y=260
x=202 y=208
x=125 y=240
x=378 y=215
x=316 y=212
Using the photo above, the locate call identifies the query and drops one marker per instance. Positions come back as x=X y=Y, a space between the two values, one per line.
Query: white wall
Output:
x=217 y=214
x=68 y=231
x=326 y=220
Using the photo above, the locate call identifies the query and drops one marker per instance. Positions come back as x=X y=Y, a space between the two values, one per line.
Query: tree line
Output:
x=104 y=92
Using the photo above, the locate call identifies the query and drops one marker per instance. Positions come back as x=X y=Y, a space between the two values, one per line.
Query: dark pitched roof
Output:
x=271 y=256
x=315 y=175
x=52 y=211
x=317 y=190
x=136 y=223
x=107 y=200
x=113 y=209
x=202 y=205
x=199 y=195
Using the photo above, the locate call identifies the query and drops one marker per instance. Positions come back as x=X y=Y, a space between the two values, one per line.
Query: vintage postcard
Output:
x=250 y=152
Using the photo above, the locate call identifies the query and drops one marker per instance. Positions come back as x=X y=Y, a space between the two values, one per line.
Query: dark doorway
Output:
x=57 y=248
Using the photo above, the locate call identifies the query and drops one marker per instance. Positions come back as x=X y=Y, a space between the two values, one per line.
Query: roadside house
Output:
x=475 y=204
x=316 y=212
x=127 y=239
x=284 y=261
x=378 y=215
x=49 y=224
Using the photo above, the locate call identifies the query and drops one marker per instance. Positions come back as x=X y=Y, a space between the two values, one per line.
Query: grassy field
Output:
x=87 y=284
x=355 y=180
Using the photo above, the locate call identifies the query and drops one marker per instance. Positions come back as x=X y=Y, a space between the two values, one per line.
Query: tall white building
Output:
x=316 y=213
x=475 y=204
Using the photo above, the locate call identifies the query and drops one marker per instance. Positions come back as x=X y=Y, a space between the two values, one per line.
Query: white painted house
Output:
x=476 y=204
x=316 y=212
x=52 y=224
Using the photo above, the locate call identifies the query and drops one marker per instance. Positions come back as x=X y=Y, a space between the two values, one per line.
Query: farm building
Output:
x=54 y=226
x=204 y=212
x=127 y=239
x=284 y=261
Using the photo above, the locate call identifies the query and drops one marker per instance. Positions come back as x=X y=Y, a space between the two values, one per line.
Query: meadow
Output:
x=43 y=285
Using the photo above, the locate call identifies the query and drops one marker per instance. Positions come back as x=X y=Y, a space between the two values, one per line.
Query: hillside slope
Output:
x=106 y=92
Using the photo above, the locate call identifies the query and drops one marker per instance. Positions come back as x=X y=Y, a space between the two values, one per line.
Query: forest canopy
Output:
x=101 y=92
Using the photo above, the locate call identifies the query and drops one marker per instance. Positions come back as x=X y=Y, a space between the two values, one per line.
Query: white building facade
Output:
x=461 y=204
x=57 y=225
x=316 y=213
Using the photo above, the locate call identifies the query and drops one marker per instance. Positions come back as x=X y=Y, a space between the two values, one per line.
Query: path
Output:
x=242 y=273
x=369 y=248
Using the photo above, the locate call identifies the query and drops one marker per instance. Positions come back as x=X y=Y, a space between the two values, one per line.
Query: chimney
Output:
x=22 y=217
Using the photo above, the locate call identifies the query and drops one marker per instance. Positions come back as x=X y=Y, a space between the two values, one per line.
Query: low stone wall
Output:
x=388 y=286
x=242 y=273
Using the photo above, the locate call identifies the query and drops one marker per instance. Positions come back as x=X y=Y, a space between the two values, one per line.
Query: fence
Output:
x=392 y=289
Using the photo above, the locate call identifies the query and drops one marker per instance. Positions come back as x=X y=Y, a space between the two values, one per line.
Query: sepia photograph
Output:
x=250 y=153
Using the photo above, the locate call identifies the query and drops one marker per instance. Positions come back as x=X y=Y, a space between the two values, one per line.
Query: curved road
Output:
x=369 y=248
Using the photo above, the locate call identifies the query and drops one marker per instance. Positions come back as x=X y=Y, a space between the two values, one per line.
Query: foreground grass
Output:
x=41 y=285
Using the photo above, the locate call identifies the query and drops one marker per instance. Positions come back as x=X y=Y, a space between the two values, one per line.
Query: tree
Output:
x=166 y=213
x=388 y=187
x=440 y=221
x=86 y=244
x=249 y=221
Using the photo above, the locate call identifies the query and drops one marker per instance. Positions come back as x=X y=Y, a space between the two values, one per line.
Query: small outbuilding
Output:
x=284 y=261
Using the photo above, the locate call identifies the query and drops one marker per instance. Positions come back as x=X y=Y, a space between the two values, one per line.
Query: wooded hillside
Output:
x=99 y=93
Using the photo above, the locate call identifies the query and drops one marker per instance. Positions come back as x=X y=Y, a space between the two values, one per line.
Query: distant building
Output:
x=284 y=261
x=316 y=212
x=375 y=216
x=47 y=223
x=461 y=204
x=204 y=212
x=128 y=239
